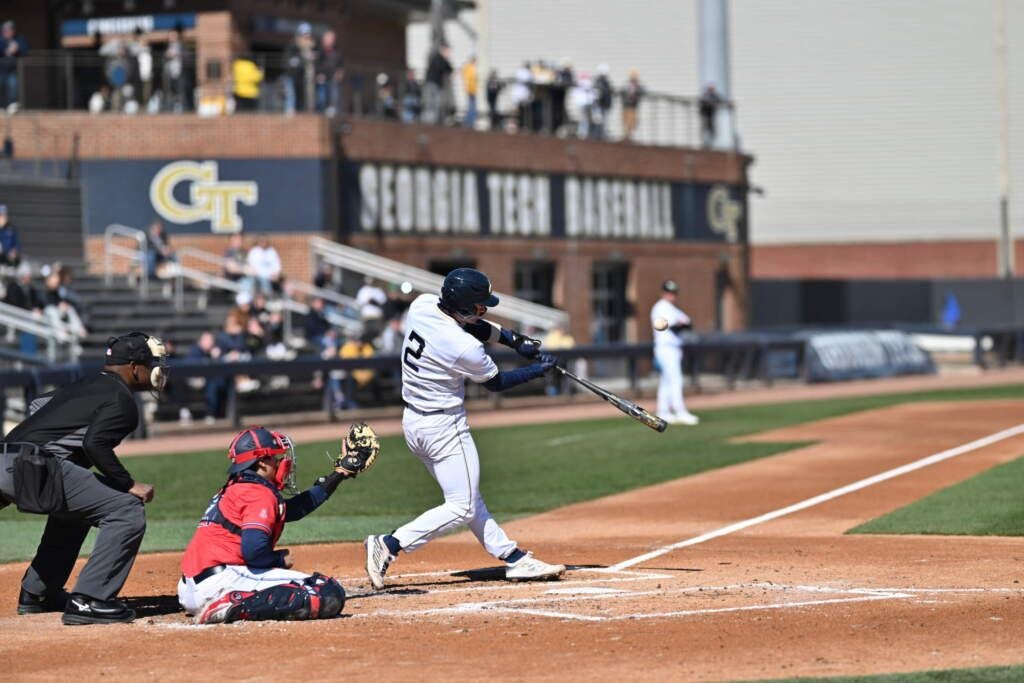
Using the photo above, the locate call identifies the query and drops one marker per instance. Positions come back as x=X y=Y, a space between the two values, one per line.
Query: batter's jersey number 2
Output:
x=415 y=340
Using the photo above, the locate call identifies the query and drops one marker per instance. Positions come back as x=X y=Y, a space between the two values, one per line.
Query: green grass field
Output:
x=956 y=510
x=526 y=470
x=990 y=674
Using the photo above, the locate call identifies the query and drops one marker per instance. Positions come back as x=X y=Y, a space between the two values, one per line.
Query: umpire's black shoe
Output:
x=30 y=603
x=81 y=609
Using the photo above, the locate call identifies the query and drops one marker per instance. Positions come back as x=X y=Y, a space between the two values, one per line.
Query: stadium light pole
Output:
x=1006 y=246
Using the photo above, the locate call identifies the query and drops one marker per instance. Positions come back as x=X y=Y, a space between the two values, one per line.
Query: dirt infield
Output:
x=764 y=584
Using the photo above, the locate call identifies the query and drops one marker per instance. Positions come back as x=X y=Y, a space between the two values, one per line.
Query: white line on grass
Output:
x=824 y=497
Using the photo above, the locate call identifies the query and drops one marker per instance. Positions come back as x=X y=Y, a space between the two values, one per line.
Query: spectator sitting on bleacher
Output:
x=234 y=260
x=214 y=388
x=255 y=337
x=316 y=325
x=371 y=300
x=68 y=294
x=392 y=337
x=10 y=245
x=265 y=266
x=351 y=349
x=58 y=308
x=22 y=293
x=243 y=308
x=158 y=249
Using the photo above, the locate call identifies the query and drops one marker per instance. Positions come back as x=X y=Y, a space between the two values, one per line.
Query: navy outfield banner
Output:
x=402 y=199
x=206 y=195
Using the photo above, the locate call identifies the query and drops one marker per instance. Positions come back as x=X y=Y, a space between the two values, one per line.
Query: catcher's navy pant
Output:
x=89 y=502
x=444 y=445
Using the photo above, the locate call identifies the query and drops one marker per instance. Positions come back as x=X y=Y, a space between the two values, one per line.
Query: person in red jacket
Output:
x=230 y=569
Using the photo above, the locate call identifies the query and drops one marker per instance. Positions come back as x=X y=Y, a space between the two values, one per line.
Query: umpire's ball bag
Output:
x=38 y=481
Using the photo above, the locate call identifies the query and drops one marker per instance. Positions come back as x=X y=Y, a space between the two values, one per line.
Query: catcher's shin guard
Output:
x=317 y=597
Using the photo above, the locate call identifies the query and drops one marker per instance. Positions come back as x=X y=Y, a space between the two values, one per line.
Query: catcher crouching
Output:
x=230 y=569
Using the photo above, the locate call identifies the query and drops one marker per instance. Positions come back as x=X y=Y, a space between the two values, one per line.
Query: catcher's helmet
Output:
x=251 y=444
x=464 y=289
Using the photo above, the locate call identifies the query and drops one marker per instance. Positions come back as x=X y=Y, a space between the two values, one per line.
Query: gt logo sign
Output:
x=209 y=198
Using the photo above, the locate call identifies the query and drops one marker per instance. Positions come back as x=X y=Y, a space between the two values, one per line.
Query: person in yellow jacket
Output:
x=470 y=85
x=247 y=78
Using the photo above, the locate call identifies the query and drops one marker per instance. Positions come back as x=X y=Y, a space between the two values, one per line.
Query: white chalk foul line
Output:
x=824 y=497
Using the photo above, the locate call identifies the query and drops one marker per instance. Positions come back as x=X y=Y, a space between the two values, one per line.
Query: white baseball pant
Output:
x=193 y=596
x=670 y=385
x=444 y=445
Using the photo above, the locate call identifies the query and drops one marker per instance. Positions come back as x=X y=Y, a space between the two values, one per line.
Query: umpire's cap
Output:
x=133 y=347
x=465 y=288
x=669 y=286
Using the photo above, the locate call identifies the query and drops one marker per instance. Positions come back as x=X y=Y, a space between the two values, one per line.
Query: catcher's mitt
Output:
x=359 y=450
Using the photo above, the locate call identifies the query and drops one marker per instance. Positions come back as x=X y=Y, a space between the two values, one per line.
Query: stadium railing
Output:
x=748 y=357
x=60 y=342
x=69 y=79
x=384 y=269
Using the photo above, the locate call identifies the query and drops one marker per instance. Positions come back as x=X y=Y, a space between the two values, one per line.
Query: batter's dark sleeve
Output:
x=506 y=379
x=110 y=424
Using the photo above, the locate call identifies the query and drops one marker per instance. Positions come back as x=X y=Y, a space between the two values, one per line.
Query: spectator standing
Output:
x=300 y=56
x=329 y=74
x=12 y=48
x=439 y=68
x=10 y=243
x=631 y=96
x=563 y=81
x=583 y=101
x=246 y=77
x=412 y=98
x=470 y=87
x=264 y=265
x=522 y=96
x=175 y=79
x=119 y=70
x=710 y=100
x=144 y=68
x=386 y=104
x=602 y=102
x=494 y=86
x=158 y=249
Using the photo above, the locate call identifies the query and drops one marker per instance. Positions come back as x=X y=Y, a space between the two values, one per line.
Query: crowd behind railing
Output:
x=129 y=74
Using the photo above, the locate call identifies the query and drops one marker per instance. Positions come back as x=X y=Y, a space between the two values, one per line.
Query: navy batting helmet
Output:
x=464 y=289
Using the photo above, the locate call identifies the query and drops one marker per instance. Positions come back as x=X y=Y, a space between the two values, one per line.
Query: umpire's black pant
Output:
x=89 y=502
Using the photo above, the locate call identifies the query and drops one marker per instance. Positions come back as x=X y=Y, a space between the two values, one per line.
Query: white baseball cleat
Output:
x=216 y=611
x=686 y=419
x=378 y=559
x=529 y=568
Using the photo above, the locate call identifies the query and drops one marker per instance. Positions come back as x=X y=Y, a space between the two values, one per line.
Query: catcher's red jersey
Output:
x=249 y=506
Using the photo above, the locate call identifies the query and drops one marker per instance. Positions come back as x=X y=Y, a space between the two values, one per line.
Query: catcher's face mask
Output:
x=256 y=443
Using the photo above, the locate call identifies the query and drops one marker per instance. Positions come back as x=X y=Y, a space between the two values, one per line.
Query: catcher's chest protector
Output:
x=214 y=515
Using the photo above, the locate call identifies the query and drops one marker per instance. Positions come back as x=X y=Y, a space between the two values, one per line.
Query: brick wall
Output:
x=693 y=266
x=169 y=136
x=879 y=260
x=421 y=144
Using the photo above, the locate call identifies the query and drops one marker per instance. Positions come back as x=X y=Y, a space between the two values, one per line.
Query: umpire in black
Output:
x=80 y=425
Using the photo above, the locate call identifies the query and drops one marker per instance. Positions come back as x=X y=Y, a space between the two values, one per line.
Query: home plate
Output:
x=581 y=590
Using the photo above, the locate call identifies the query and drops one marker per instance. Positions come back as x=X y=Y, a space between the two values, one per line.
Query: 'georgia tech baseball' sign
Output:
x=405 y=199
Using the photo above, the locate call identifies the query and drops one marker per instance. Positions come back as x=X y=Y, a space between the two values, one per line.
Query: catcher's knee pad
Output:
x=329 y=595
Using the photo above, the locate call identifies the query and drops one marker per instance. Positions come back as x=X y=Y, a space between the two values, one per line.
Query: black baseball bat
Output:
x=625 y=405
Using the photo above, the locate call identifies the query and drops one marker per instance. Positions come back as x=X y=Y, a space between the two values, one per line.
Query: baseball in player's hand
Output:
x=660 y=324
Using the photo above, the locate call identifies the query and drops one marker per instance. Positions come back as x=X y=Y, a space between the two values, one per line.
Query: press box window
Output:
x=535 y=281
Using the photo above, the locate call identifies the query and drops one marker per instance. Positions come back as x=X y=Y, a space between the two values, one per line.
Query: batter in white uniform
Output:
x=668 y=351
x=444 y=346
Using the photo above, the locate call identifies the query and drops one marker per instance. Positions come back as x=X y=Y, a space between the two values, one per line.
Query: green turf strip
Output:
x=988 y=504
x=991 y=674
x=525 y=470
